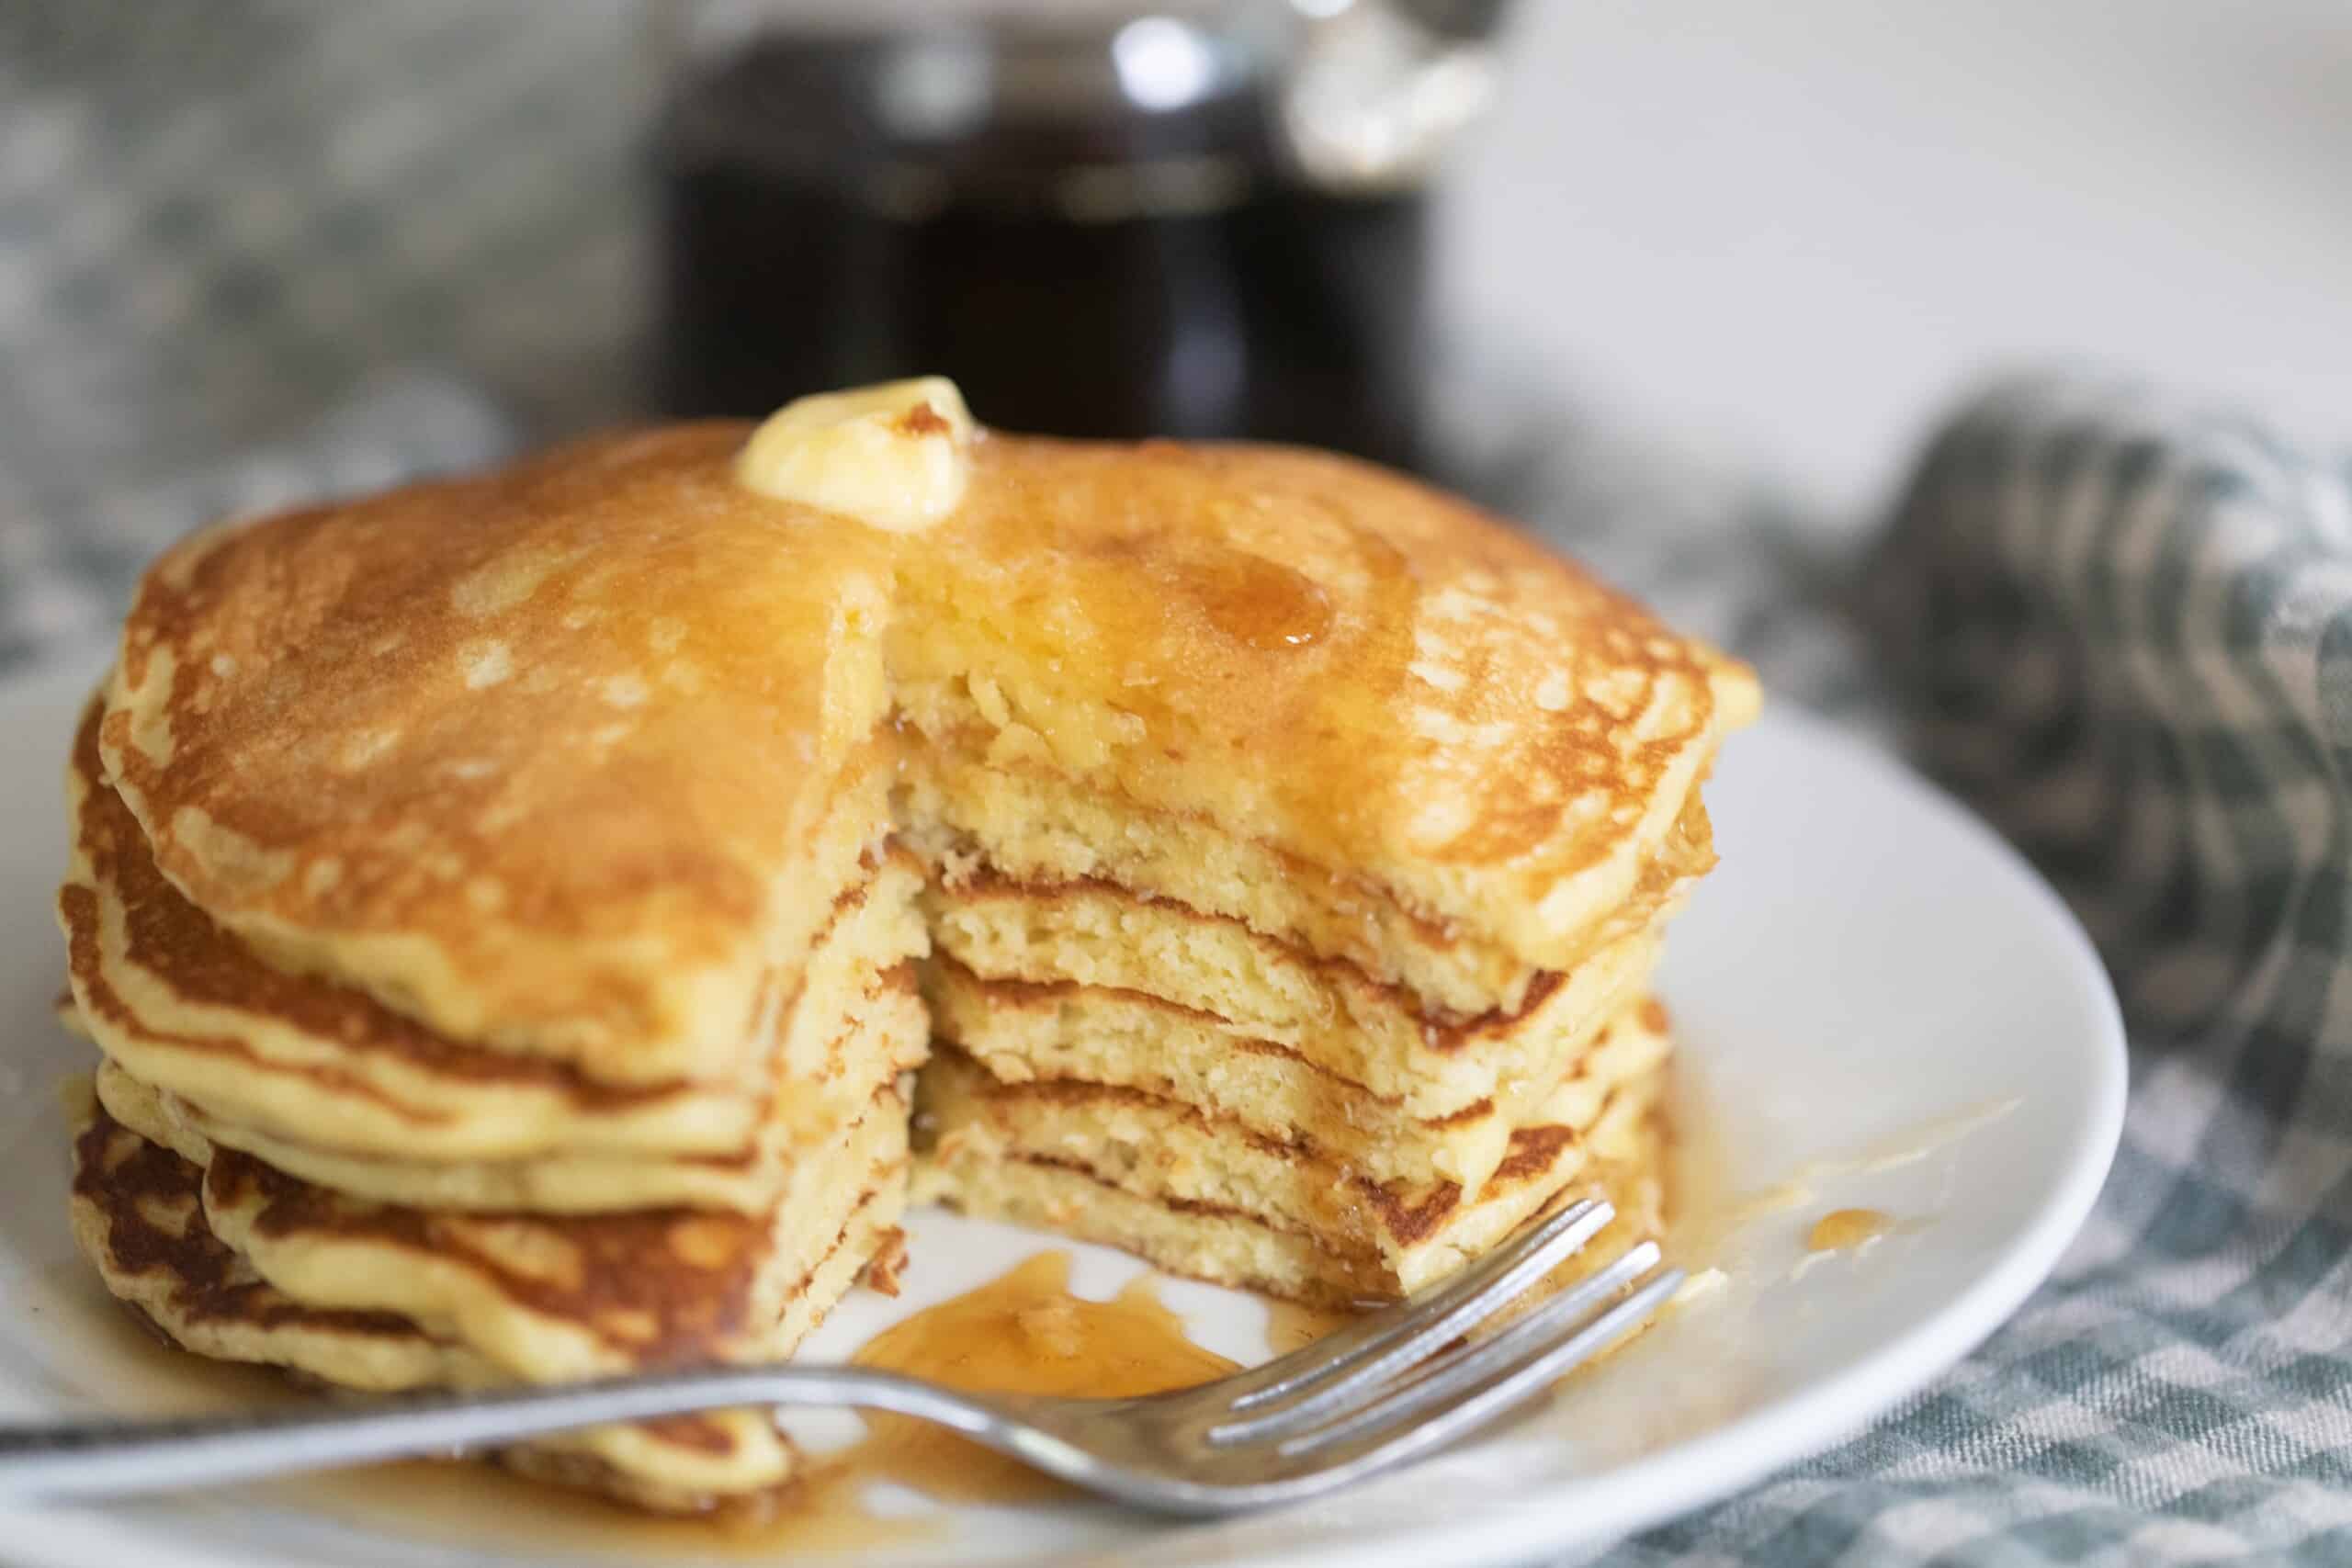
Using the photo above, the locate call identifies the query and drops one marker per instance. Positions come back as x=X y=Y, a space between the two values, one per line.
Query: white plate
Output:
x=1879 y=1004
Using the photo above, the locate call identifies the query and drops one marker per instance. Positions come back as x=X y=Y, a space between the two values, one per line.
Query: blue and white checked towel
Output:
x=2120 y=625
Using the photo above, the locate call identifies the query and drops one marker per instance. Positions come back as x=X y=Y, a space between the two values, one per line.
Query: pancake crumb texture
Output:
x=548 y=924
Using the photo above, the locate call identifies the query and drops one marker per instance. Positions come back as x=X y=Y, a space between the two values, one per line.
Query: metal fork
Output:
x=1385 y=1389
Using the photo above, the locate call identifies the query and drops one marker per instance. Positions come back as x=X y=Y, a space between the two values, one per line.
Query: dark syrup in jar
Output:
x=1113 y=273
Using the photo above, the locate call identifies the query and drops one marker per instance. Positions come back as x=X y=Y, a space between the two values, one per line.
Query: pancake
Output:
x=550 y=1298
x=373 y=739
x=1399 y=694
x=1022 y=1032
x=1208 y=1197
x=545 y=1298
x=985 y=818
x=139 y=1216
x=891 y=1025
x=1025 y=1031
x=1237 y=1248
x=1245 y=985
x=272 y=1060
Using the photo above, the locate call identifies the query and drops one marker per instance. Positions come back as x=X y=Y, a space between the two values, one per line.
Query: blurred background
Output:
x=1772 y=241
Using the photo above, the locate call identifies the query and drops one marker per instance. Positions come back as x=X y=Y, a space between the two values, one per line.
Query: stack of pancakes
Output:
x=512 y=910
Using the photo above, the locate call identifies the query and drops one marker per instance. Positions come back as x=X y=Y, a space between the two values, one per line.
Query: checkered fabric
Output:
x=2121 y=626
x=251 y=251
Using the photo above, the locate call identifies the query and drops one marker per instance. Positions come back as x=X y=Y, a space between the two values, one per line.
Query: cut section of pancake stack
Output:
x=513 y=910
x=1299 y=846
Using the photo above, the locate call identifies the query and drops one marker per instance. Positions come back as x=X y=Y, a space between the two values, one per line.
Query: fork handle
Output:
x=115 y=1458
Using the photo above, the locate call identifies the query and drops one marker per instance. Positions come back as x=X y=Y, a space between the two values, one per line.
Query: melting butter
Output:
x=894 y=456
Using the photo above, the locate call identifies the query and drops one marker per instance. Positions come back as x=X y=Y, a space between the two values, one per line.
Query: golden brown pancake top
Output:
x=1354 y=666
x=524 y=753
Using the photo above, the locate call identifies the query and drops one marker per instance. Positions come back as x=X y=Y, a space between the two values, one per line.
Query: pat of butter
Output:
x=895 y=457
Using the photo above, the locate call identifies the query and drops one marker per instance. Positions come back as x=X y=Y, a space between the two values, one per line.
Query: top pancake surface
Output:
x=524 y=753
x=528 y=755
x=1320 y=654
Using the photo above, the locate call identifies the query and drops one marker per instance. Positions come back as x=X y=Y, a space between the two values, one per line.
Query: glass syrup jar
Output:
x=1195 y=219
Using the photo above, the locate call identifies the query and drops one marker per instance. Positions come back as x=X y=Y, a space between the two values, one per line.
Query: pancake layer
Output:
x=1110 y=950
x=145 y=1216
x=1210 y=1196
x=182 y=1002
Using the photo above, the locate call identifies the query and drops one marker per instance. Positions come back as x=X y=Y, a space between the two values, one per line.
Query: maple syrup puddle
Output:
x=1260 y=603
x=1291 y=1325
x=1844 y=1229
x=1024 y=1333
